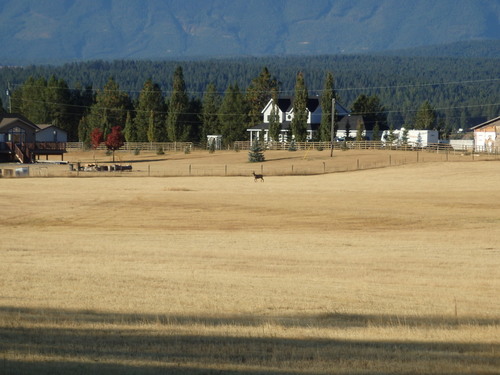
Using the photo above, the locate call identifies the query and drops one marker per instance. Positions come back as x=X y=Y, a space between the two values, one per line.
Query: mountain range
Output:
x=58 y=31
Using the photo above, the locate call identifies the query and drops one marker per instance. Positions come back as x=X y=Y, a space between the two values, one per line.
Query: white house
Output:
x=285 y=113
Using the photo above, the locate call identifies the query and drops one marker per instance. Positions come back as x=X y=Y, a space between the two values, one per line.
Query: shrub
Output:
x=159 y=151
x=292 y=146
x=137 y=151
x=187 y=150
x=256 y=153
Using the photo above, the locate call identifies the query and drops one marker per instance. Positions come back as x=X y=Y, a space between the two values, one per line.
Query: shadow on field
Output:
x=45 y=341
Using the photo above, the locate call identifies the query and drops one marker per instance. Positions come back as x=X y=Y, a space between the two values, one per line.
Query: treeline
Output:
x=462 y=92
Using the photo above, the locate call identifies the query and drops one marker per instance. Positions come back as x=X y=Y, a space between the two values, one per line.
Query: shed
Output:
x=487 y=135
x=51 y=133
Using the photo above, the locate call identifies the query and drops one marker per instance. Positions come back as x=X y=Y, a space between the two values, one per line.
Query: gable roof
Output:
x=8 y=119
x=487 y=123
x=285 y=104
x=43 y=127
x=352 y=121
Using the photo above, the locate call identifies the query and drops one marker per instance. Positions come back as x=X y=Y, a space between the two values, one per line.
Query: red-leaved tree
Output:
x=115 y=140
x=96 y=138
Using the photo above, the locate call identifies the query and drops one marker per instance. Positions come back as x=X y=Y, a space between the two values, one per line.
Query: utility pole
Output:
x=332 y=127
x=8 y=95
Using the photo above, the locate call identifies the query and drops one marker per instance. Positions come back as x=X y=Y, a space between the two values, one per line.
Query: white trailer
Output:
x=416 y=138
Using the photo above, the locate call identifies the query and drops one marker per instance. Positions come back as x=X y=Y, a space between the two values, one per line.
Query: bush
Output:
x=292 y=146
x=187 y=150
x=236 y=147
x=319 y=148
x=160 y=151
x=256 y=153
x=137 y=151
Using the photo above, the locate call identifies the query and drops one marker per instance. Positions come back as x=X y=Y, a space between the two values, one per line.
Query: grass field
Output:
x=387 y=270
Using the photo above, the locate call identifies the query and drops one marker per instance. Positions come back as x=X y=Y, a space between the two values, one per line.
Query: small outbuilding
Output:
x=487 y=135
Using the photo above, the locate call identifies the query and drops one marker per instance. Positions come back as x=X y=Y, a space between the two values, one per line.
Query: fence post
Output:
x=225 y=170
x=324 y=167
x=390 y=160
x=357 y=164
x=149 y=170
x=190 y=169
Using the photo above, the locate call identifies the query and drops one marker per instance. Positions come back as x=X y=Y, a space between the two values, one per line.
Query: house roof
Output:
x=8 y=119
x=487 y=123
x=47 y=126
x=284 y=126
x=285 y=104
x=352 y=121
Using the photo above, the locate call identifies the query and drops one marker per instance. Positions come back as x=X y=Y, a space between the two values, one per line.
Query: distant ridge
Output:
x=40 y=32
x=472 y=49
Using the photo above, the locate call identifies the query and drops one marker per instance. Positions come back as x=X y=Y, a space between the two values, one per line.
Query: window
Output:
x=16 y=135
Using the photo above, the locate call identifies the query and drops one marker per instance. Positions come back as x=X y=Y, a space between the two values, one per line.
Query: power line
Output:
x=364 y=88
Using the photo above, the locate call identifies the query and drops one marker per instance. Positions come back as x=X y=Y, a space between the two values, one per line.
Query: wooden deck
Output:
x=29 y=152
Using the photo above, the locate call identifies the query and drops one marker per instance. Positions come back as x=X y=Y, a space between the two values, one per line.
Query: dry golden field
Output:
x=374 y=271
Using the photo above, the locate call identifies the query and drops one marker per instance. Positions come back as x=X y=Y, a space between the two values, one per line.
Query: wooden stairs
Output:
x=21 y=152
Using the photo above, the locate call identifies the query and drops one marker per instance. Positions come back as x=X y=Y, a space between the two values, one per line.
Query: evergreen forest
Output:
x=186 y=100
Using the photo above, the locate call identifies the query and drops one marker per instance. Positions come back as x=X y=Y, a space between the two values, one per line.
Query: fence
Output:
x=140 y=146
x=246 y=145
x=307 y=162
x=365 y=145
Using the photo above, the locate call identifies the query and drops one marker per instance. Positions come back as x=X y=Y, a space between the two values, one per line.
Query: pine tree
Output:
x=209 y=114
x=233 y=115
x=404 y=136
x=58 y=100
x=130 y=131
x=274 y=118
x=372 y=111
x=110 y=108
x=33 y=100
x=256 y=153
x=425 y=118
x=299 y=121
x=326 y=107
x=258 y=94
x=150 y=99
x=178 y=105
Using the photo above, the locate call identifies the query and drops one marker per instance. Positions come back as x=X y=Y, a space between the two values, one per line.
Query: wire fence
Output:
x=246 y=145
x=308 y=162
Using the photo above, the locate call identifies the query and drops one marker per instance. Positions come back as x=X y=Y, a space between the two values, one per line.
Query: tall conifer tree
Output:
x=327 y=97
x=209 y=114
x=178 y=106
x=425 y=118
x=274 y=118
x=258 y=94
x=299 y=121
x=233 y=115
x=110 y=108
x=150 y=99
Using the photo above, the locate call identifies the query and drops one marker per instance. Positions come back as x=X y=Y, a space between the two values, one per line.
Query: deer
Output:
x=258 y=177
